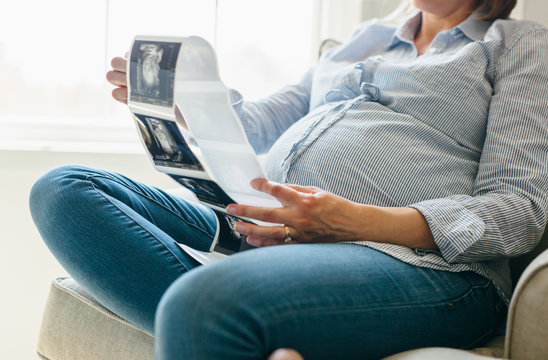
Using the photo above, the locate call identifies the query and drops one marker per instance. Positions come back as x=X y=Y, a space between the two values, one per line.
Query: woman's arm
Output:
x=506 y=214
x=265 y=120
x=314 y=215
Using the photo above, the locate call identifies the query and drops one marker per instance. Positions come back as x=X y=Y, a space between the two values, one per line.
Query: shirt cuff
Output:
x=237 y=101
x=454 y=227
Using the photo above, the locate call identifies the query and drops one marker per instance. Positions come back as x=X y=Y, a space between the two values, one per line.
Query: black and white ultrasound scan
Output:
x=165 y=143
x=152 y=72
x=230 y=241
x=206 y=191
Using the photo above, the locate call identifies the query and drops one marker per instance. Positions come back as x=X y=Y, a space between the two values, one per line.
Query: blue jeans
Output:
x=118 y=239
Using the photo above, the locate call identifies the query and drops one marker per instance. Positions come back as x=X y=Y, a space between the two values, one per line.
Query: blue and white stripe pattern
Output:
x=459 y=133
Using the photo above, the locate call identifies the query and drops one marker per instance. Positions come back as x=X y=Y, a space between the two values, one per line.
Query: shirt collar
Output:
x=472 y=27
x=407 y=30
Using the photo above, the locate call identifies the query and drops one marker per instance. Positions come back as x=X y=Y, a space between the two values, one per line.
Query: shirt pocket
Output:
x=447 y=74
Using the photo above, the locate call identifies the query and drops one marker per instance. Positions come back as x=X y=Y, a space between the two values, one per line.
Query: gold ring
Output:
x=287 y=234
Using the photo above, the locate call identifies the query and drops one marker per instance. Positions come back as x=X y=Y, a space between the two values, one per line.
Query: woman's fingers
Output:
x=117 y=78
x=305 y=189
x=276 y=233
x=285 y=354
x=261 y=242
x=281 y=192
x=119 y=64
x=271 y=215
x=120 y=94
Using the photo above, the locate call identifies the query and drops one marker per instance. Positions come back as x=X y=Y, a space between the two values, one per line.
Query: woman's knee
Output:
x=50 y=188
x=56 y=196
x=212 y=302
x=202 y=293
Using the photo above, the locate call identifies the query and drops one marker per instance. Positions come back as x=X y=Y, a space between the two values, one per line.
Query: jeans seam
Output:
x=89 y=177
x=137 y=223
x=469 y=291
x=274 y=321
x=316 y=311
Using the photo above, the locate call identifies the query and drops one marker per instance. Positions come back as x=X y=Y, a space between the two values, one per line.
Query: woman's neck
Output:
x=432 y=24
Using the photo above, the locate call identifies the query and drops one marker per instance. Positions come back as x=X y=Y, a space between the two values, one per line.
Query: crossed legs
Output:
x=118 y=238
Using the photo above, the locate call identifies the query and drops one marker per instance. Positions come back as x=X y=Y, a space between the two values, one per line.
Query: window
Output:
x=54 y=93
x=54 y=55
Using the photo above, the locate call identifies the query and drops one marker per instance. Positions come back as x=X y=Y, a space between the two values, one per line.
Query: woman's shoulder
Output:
x=509 y=32
x=517 y=46
x=370 y=37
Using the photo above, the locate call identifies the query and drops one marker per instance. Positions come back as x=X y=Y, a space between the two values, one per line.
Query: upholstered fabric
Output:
x=527 y=336
x=76 y=327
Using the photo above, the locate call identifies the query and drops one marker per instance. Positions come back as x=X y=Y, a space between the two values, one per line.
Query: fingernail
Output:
x=255 y=183
x=239 y=227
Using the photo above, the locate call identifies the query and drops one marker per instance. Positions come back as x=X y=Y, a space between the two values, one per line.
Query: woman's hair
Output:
x=487 y=10
x=495 y=9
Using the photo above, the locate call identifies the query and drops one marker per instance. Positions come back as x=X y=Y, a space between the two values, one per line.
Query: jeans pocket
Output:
x=475 y=279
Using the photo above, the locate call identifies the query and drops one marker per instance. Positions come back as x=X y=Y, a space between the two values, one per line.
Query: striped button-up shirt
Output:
x=459 y=133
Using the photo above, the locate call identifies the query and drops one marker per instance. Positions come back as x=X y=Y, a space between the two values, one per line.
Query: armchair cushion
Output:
x=76 y=327
x=527 y=329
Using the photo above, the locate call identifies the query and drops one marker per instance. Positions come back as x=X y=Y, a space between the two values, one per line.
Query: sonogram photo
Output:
x=166 y=144
x=152 y=72
x=230 y=240
x=205 y=190
x=148 y=74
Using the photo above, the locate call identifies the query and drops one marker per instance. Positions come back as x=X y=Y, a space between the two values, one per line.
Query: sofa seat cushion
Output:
x=76 y=327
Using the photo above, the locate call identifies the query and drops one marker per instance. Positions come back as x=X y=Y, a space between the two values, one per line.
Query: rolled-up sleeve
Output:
x=506 y=214
x=265 y=120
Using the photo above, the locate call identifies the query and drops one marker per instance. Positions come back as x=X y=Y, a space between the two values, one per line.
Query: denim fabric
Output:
x=328 y=301
x=118 y=239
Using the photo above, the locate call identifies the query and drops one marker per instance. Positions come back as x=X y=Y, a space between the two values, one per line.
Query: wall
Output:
x=536 y=10
x=338 y=22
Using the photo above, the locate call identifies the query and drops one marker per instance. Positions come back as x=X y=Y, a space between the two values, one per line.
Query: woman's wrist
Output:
x=396 y=225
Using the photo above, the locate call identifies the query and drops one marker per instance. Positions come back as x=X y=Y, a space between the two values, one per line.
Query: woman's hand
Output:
x=285 y=354
x=311 y=215
x=117 y=77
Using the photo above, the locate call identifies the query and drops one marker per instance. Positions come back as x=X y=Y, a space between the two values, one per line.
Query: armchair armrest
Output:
x=527 y=328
